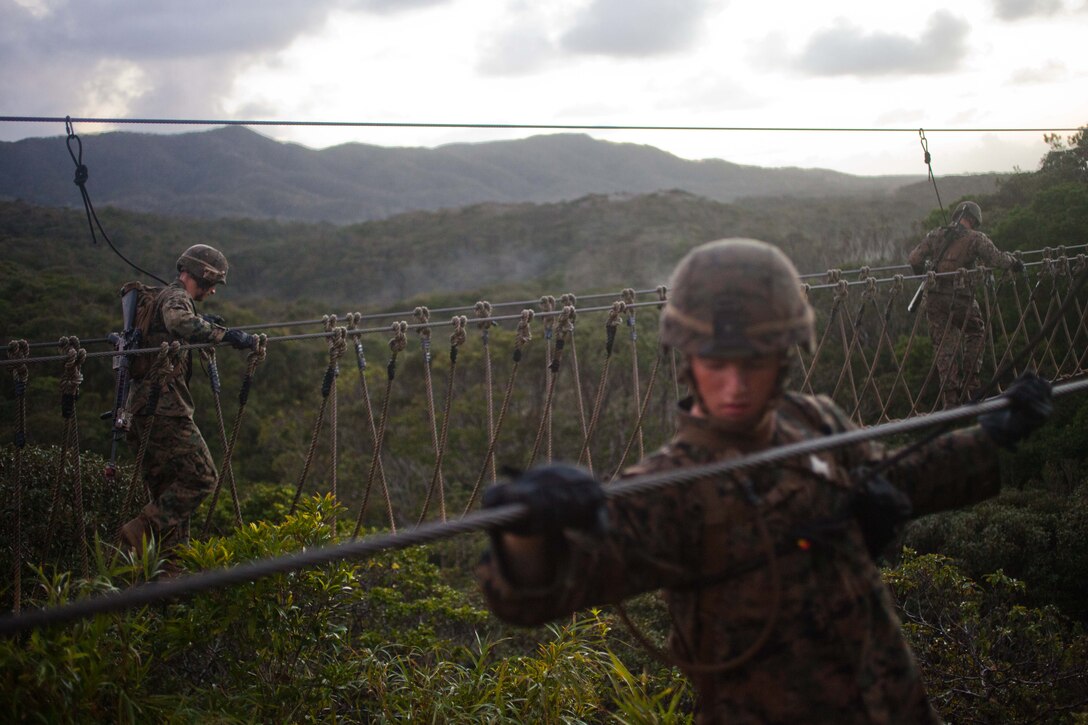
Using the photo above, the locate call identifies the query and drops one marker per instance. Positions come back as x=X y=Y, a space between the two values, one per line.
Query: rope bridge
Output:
x=543 y=383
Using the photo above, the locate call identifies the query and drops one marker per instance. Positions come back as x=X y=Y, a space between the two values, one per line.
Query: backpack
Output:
x=138 y=311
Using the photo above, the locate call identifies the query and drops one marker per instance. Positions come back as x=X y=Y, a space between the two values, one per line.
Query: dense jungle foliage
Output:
x=992 y=598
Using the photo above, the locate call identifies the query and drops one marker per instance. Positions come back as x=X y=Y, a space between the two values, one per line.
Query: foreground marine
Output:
x=779 y=613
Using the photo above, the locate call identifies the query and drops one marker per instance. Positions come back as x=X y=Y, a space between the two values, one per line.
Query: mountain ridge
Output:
x=236 y=172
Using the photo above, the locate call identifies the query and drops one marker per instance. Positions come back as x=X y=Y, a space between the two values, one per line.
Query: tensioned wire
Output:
x=499 y=516
x=523 y=126
x=522 y=303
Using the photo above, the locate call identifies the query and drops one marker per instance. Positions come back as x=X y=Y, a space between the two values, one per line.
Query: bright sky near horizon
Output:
x=974 y=64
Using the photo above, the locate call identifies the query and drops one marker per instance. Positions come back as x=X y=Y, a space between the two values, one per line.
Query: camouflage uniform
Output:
x=959 y=354
x=836 y=653
x=177 y=465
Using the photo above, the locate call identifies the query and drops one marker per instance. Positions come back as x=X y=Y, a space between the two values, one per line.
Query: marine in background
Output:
x=955 y=322
x=779 y=613
x=177 y=466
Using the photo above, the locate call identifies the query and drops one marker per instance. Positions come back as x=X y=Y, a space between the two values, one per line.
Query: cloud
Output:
x=1018 y=9
x=849 y=50
x=133 y=57
x=636 y=28
x=1049 y=73
x=518 y=49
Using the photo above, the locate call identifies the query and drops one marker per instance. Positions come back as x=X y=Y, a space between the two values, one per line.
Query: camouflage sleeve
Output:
x=179 y=316
x=988 y=253
x=957 y=469
x=918 y=256
x=644 y=549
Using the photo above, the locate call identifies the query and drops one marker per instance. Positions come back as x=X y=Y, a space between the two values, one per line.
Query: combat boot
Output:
x=134 y=531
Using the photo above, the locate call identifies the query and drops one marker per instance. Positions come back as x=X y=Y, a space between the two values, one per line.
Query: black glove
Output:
x=214 y=319
x=1029 y=407
x=239 y=339
x=559 y=496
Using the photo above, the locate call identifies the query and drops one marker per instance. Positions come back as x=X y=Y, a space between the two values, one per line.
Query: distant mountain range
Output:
x=235 y=172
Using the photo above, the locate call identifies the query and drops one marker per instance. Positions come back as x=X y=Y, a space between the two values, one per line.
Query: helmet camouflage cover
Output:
x=204 y=263
x=971 y=209
x=736 y=298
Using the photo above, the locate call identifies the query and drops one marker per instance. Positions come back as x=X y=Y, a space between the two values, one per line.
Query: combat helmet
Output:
x=736 y=298
x=205 y=263
x=968 y=208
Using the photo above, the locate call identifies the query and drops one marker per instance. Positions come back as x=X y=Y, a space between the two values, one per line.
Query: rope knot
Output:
x=662 y=294
x=863 y=273
x=842 y=290
x=457 y=337
x=897 y=285
x=524 y=334
x=399 y=341
x=931 y=279
x=618 y=308
x=547 y=306
x=833 y=276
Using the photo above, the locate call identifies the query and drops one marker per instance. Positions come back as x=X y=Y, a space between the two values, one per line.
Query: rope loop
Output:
x=458 y=335
x=806 y=289
x=482 y=310
x=423 y=316
x=399 y=341
x=869 y=293
x=569 y=300
x=863 y=273
x=931 y=279
x=897 y=285
x=833 y=276
x=72 y=377
x=960 y=281
x=662 y=293
x=842 y=290
x=547 y=305
x=1079 y=263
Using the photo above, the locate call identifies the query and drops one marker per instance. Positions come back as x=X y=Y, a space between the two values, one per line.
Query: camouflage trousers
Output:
x=179 y=472
x=958 y=334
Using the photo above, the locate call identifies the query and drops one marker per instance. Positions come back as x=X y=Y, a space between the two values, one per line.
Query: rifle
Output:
x=129 y=339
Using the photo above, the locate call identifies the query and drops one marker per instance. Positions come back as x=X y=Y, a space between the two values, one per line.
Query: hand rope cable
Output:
x=571 y=301
x=457 y=338
x=336 y=349
x=353 y=319
x=376 y=330
x=423 y=316
x=82 y=174
x=610 y=325
x=641 y=416
x=159 y=592
x=522 y=338
x=927 y=158
x=563 y=327
x=211 y=369
x=18 y=350
x=547 y=304
x=69 y=387
x=636 y=387
x=397 y=344
x=483 y=310
x=255 y=357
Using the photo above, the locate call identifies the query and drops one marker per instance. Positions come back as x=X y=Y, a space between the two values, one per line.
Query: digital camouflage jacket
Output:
x=836 y=653
x=175 y=319
x=966 y=249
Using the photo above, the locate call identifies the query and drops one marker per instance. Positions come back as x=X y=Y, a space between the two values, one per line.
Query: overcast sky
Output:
x=974 y=64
